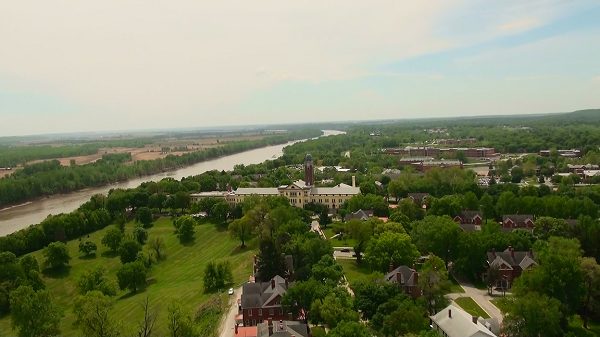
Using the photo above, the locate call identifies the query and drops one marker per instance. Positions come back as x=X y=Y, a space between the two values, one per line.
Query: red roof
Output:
x=247 y=331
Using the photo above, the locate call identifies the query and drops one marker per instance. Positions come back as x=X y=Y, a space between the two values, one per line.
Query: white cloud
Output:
x=519 y=25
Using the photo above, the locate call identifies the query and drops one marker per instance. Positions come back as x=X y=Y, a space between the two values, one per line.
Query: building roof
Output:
x=402 y=275
x=210 y=194
x=257 y=190
x=338 y=189
x=359 y=215
x=511 y=259
x=264 y=294
x=418 y=196
x=455 y=322
x=517 y=218
x=283 y=329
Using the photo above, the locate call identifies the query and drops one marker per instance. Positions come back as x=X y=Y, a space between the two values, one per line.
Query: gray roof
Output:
x=359 y=215
x=460 y=324
x=283 y=329
x=418 y=196
x=518 y=219
x=257 y=191
x=466 y=214
x=338 y=189
x=522 y=259
x=263 y=294
x=402 y=275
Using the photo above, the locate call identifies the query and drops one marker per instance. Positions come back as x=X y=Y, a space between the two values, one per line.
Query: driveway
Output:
x=227 y=327
x=481 y=297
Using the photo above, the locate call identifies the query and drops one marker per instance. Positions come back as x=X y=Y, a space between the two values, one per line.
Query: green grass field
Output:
x=454 y=285
x=178 y=277
x=335 y=242
x=469 y=305
x=355 y=273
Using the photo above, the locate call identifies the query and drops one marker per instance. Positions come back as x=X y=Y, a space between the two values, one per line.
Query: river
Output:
x=17 y=217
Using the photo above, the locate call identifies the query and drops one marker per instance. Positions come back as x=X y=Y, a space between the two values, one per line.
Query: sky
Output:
x=77 y=66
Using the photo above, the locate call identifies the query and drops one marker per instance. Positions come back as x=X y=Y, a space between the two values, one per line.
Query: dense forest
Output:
x=50 y=177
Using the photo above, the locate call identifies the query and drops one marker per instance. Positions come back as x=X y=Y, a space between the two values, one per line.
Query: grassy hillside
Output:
x=177 y=277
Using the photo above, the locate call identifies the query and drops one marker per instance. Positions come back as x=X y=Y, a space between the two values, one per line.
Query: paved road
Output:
x=228 y=323
x=316 y=227
x=482 y=298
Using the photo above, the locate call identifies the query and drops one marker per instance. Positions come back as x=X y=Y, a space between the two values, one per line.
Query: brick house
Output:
x=511 y=264
x=469 y=220
x=262 y=301
x=517 y=221
x=406 y=278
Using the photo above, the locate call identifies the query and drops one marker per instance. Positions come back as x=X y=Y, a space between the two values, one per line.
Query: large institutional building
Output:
x=299 y=193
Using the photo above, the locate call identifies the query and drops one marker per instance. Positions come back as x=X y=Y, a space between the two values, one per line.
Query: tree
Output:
x=361 y=232
x=96 y=279
x=533 y=315
x=180 y=322
x=157 y=200
x=354 y=329
x=140 y=234
x=437 y=235
x=546 y=227
x=559 y=266
x=390 y=249
x=217 y=275
x=327 y=271
x=57 y=255
x=128 y=251
x=433 y=281
x=492 y=277
x=144 y=216
x=146 y=327
x=334 y=308
x=112 y=238
x=591 y=278
x=219 y=211
x=33 y=313
x=369 y=295
x=400 y=316
x=487 y=206
x=157 y=244
x=132 y=276
x=270 y=261
x=92 y=312
x=302 y=294
x=88 y=248
x=184 y=228
x=242 y=229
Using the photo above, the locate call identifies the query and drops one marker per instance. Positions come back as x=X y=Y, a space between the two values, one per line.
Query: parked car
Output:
x=230 y=292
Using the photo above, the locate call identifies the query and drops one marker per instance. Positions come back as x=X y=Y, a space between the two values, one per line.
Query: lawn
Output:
x=346 y=241
x=178 y=277
x=471 y=307
x=354 y=272
x=454 y=285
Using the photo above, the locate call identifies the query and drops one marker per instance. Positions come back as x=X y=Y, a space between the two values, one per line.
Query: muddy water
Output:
x=21 y=216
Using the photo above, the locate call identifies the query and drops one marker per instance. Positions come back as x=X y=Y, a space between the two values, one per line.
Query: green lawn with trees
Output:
x=178 y=275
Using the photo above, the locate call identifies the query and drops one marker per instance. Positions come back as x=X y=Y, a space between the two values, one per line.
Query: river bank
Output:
x=20 y=216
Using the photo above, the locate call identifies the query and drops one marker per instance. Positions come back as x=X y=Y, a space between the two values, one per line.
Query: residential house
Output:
x=282 y=328
x=406 y=278
x=262 y=301
x=513 y=221
x=453 y=321
x=418 y=198
x=511 y=264
x=469 y=220
x=362 y=215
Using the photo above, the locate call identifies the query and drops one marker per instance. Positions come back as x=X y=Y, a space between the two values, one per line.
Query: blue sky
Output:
x=117 y=65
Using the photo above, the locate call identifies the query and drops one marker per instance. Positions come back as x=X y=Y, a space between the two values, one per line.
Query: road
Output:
x=228 y=323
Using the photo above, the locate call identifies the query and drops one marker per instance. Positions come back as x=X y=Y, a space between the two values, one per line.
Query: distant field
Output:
x=177 y=277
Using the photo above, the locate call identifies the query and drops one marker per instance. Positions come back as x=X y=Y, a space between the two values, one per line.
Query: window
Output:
x=259 y=312
x=250 y=312
x=271 y=312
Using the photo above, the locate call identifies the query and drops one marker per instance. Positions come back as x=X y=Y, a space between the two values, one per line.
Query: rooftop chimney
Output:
x=353 y=181
x=512 y=251
x=474 y=319
x=449 y=313
x=272 y=283
x=391 y=267
x=286 y=283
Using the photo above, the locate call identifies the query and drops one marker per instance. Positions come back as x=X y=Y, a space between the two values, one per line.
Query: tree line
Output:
x=49 y=178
